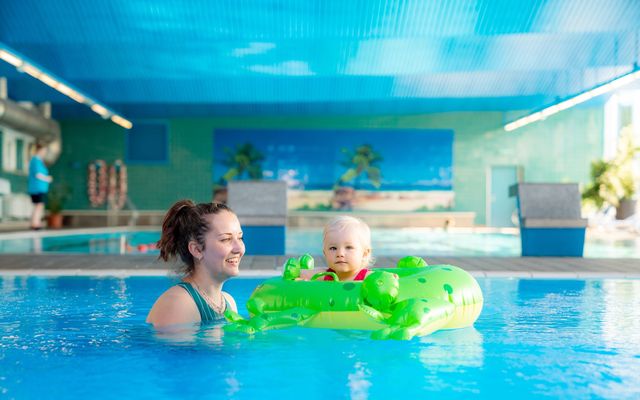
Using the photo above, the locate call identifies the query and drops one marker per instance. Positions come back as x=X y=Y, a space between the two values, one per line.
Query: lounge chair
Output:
x=550 y=219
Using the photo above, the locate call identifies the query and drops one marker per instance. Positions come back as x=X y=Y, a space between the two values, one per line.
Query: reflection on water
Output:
x=95 y=243
x=359 y=381
x=535 y=338
x=621 y=332
x=37 y=245
x=453 y=349
x=621 y=316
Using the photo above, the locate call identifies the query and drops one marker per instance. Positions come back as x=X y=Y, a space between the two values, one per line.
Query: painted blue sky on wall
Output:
x=412 y=159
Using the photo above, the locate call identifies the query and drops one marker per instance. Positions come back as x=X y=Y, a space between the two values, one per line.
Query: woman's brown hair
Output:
x=185 y=221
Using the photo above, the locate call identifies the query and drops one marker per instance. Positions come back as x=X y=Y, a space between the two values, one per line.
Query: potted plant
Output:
x=613 y=182
x=58 y=195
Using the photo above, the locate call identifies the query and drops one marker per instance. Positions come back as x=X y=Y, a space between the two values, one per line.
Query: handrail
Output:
x=113 y=213
x=135 y=213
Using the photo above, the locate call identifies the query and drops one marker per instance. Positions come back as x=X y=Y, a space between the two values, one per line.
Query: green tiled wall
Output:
x=559 y=149
x=153 y=187
x=556 y=150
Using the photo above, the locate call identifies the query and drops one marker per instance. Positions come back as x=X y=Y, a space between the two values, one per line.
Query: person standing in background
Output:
x=38 y=185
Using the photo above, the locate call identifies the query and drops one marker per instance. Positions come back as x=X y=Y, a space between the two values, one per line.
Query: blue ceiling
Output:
x=161 y=58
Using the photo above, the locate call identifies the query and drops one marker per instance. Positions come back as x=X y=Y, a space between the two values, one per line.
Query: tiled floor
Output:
x=60 y=264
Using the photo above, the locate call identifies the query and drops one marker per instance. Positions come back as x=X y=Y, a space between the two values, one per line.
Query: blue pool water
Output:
x=78 y=337
x=386 y=242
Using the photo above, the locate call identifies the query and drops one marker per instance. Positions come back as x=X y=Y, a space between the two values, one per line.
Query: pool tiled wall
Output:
x=558 y=149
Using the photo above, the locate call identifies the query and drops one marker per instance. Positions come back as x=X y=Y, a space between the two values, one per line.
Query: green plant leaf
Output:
x=614 y=180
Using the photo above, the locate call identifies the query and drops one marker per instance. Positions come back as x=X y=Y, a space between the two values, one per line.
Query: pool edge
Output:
x=257 y=273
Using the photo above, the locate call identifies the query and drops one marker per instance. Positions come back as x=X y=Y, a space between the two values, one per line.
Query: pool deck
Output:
x=264 y=266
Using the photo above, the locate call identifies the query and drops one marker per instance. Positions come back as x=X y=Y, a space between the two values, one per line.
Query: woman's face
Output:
x=224 y=246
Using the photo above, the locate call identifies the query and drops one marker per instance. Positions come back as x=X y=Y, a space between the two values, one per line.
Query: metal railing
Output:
x=113 y=214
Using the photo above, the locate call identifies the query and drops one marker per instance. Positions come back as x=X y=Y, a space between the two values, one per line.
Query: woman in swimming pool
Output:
x=208 y=239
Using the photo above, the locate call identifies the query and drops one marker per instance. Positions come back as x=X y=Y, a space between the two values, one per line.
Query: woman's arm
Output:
x=306 y=274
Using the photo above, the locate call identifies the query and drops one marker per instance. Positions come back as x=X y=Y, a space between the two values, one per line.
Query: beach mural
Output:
x=375 y=169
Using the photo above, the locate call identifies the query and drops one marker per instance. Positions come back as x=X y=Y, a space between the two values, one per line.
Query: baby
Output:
x=346 y=245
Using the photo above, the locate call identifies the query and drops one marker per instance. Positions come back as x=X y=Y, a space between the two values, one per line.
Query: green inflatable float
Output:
x=395 y=303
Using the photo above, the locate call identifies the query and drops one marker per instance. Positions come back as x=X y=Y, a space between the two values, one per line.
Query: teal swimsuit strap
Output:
x=206 y=312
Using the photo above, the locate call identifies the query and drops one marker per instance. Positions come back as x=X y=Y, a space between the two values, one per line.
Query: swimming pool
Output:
x=78 y=337
x=386 y=242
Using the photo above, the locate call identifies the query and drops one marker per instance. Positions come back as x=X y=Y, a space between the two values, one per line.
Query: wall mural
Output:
x=325 y=169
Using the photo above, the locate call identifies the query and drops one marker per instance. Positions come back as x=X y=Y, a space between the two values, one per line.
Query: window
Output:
x=620 y=111
x=20 y=154
x=148 y=143
x=15 y=148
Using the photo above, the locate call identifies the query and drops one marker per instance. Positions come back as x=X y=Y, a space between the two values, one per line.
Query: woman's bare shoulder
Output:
x=174 y=306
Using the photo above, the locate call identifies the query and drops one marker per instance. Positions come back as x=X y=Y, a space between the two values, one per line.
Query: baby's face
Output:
x=344 y=252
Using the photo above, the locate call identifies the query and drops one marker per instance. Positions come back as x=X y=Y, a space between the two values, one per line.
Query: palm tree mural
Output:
x=363 y=161
x=246 y=159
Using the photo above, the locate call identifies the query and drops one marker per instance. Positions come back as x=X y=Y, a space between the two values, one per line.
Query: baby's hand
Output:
x=306 y=274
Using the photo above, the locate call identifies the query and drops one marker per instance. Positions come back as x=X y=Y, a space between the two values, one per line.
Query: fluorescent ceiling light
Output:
x=121 y=121
x=29 y=68
x=101 y=111
x=10 y=58
x=574 y=100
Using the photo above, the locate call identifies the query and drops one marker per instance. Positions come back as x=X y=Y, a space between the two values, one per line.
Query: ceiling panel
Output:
x=198 y=58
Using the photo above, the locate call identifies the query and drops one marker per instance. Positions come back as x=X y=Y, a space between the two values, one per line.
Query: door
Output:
x=501 y=207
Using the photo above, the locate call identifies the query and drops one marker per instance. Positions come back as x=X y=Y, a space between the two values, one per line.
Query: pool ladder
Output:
x=113 y=215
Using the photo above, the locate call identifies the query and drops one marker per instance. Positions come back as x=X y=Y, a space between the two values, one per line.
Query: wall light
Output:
x=29 y=68
x=575 y=100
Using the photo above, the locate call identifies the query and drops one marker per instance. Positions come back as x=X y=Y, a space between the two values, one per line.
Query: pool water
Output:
x=79 y=337
x=386 y=242
x=93 y=243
